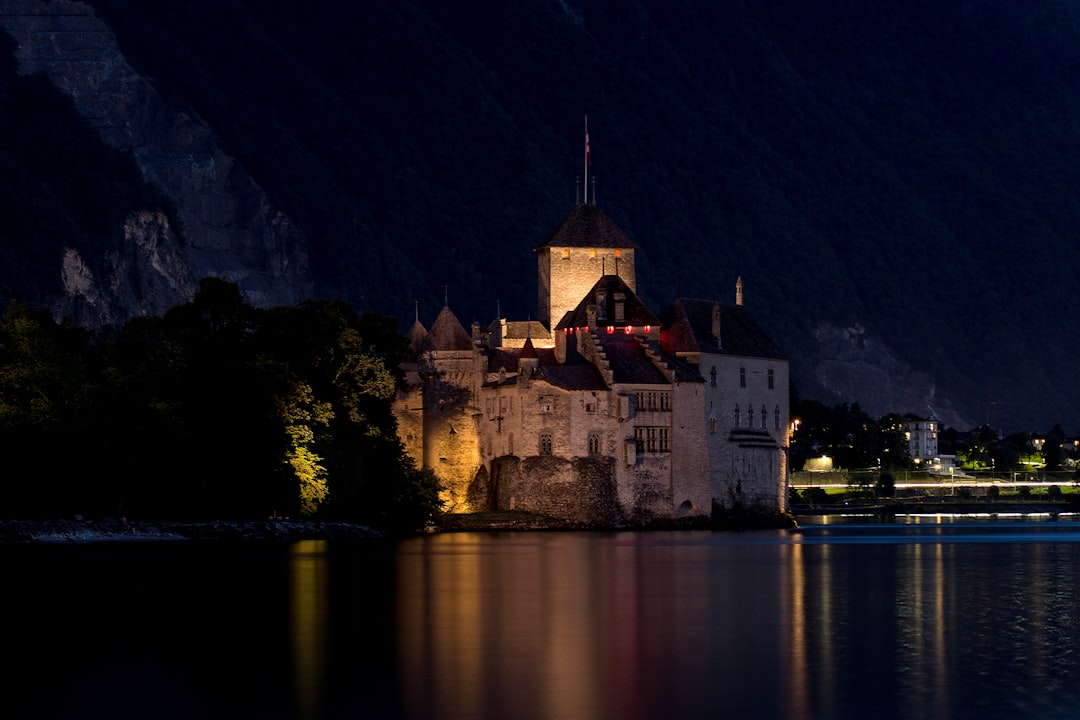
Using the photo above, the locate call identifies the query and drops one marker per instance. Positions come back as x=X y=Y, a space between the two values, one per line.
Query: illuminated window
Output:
x=545 y=443
x=566 y=253
x=618 y=252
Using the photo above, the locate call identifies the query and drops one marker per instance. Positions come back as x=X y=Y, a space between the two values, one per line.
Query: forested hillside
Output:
x=894 y=181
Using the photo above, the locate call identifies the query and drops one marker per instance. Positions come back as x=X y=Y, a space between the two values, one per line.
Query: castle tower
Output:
x=449 y=367
x=585 y=246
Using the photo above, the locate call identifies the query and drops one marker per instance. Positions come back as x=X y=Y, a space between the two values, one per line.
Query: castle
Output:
x=600 y=411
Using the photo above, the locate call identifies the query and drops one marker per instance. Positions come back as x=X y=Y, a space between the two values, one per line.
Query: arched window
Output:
x=750 y=417
x=594 y=444
x=712 y=376
x=545 y=443
x=764 y=418
x=712 y=424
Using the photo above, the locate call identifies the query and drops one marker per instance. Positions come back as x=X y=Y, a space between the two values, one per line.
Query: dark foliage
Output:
x=214 y=411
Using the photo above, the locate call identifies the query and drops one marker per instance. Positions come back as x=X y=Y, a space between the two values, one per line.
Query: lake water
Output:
x=844 y=618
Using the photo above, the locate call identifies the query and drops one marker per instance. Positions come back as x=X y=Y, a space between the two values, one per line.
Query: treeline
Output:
x=855 y=440
x=216 y=410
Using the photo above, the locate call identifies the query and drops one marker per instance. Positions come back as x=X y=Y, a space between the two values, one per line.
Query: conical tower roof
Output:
x=415 y=336
x=447 y=333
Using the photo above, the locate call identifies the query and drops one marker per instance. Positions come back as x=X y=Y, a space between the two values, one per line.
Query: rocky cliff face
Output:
x=852 y=364
x=230 y=229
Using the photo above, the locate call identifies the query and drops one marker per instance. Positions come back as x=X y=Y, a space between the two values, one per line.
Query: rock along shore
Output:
x=87 y=531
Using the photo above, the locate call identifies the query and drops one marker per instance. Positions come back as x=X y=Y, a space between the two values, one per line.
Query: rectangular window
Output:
x=665 y=401
x=652 y=439
x=742 y=377
x=772 y=380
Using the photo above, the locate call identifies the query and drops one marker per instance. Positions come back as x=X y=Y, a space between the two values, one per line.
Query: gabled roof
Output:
x=588 y=226
x=574 y=377
x=635 y=312
x=688 y=328
x=447 y=333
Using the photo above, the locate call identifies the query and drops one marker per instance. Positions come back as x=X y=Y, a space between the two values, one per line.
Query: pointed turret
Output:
x=447 y=333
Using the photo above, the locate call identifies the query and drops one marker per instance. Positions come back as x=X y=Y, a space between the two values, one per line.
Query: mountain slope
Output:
x=892 y=181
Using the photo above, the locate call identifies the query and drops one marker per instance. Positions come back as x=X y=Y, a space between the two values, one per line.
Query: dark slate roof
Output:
x=688 y=328
x=502 y=359
x=629 y=361
x=507 y=358
x=447 y=333
x=684 y=371
x=588 y=226
x=521 y=328
x=635 y=312
x=574 y=377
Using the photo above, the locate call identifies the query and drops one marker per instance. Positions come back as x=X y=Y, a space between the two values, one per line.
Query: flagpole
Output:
x=586 y=159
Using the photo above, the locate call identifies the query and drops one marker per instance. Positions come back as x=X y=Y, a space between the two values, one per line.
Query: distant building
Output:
x=599 y=410
x=922 y=438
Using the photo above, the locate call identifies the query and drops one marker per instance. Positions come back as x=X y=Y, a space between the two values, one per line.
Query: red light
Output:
x=648 y=328
x=629 y=329
x=610 y=329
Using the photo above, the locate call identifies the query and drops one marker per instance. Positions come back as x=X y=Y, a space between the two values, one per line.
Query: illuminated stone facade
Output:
x=601 y=411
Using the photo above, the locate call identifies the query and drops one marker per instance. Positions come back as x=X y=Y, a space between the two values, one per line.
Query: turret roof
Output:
x=588 y=226
x=447 y=333
x=415 y=336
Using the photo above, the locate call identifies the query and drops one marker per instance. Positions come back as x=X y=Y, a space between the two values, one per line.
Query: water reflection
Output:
x=308 y=616
x=881 y=622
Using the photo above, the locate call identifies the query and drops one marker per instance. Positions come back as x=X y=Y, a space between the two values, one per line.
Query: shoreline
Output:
x=53 y=532
x=82 y=531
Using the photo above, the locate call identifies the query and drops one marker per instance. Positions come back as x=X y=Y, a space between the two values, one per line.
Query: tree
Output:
x=1053 y=455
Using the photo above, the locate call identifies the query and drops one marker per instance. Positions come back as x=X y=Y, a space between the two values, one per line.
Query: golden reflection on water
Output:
x=308 y=593
x=628 y=625
x=451 y=600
